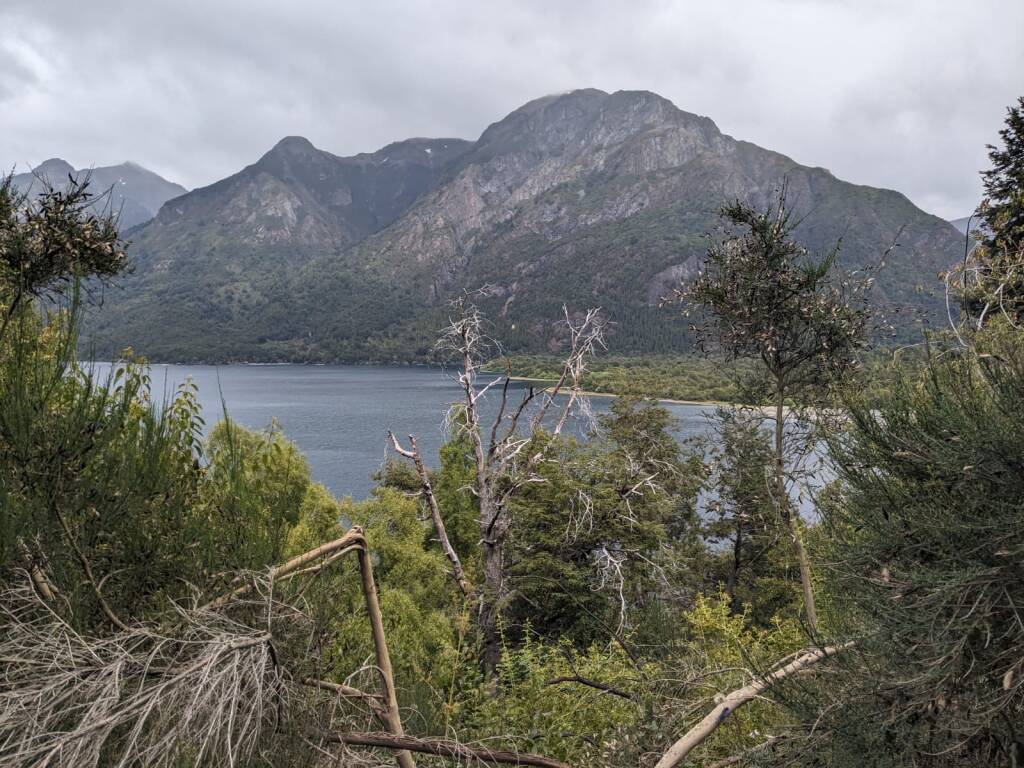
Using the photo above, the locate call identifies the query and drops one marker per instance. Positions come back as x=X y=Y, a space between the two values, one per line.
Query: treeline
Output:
x=174 y=599
x=703 y=378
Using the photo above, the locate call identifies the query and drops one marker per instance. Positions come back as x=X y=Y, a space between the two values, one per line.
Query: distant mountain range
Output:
x=584 y=198
x=129 y=190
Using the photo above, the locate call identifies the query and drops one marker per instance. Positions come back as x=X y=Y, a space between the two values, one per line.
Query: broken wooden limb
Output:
x=348 y=692
x=443 y=748
x=736 y=699
x=393 y=718
x=597 y=685
x=354 y=537
x=435 y=511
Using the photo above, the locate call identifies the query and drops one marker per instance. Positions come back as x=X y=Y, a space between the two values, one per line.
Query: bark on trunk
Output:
x=387 y=675
x=734 y=570
x=493 y=536
x=784 y=509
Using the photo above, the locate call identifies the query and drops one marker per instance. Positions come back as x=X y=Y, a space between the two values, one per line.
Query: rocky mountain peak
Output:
x=54 y=169
x=592 y=130
x=132 y=192
x=420 y=151
x=294 y=145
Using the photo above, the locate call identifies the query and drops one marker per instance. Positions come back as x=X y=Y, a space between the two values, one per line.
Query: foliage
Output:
x=94 y=475
x=255 y=485
x=993 y=279
x=924 y=537
x=769 y=299
x=49 y=241
x=540 y=708
x=749 y=555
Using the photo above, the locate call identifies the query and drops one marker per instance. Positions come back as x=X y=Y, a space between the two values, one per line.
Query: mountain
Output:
x=134 y=192
x=298 y=196
x=961 y=224
x=584 y=198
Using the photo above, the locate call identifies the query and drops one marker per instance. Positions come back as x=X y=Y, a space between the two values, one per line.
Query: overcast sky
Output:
x=891 y=93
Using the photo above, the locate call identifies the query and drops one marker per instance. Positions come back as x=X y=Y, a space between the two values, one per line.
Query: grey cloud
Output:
x=901 y=95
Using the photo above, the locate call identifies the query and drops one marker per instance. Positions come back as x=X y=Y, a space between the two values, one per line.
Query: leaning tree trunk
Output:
x=782 y=497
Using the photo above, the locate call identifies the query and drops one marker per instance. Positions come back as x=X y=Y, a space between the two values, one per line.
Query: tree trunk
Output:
x=782 y=497
x=391 y=713
x=734 y=570
x=492 y=533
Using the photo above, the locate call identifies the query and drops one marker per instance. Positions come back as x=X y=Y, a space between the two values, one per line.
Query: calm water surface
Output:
x=339 y=415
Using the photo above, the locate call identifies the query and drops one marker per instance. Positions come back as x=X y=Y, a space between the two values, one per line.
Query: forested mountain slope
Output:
x=584 y=198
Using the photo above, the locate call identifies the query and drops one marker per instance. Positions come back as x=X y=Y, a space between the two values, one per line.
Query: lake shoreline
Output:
x=592 y=393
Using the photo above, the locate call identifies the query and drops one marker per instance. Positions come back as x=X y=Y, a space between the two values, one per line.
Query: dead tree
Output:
x=500 y=450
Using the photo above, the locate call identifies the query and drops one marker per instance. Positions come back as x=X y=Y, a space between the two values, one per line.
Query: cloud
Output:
x=901 y=95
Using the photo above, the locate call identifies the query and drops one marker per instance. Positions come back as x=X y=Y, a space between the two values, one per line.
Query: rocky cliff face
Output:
x=585 y=198
x=297 y=194
x=129 y=190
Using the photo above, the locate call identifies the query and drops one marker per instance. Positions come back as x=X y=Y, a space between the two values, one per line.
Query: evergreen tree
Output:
x=750 y=566
x=994 y=283
x=768 y=298
x=1003 y=207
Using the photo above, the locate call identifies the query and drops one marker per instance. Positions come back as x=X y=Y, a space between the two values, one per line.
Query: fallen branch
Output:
x=733 y=701
x=737 y=759
x=97 y=589
x=348 y=692
x=443 y=748
x=590 y=684
x=353 y=538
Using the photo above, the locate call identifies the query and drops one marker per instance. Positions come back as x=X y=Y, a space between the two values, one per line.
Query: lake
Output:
x=339 y=415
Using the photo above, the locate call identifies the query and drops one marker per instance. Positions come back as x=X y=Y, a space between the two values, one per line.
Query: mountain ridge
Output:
x=130 y=190
x=584 y=198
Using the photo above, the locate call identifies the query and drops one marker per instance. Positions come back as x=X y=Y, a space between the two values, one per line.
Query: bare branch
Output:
x=443 y=748
x=737 y=759
x=435 y=512
x=354 y=537
x=736 y=699
x=591 y=684
x=348 y=692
